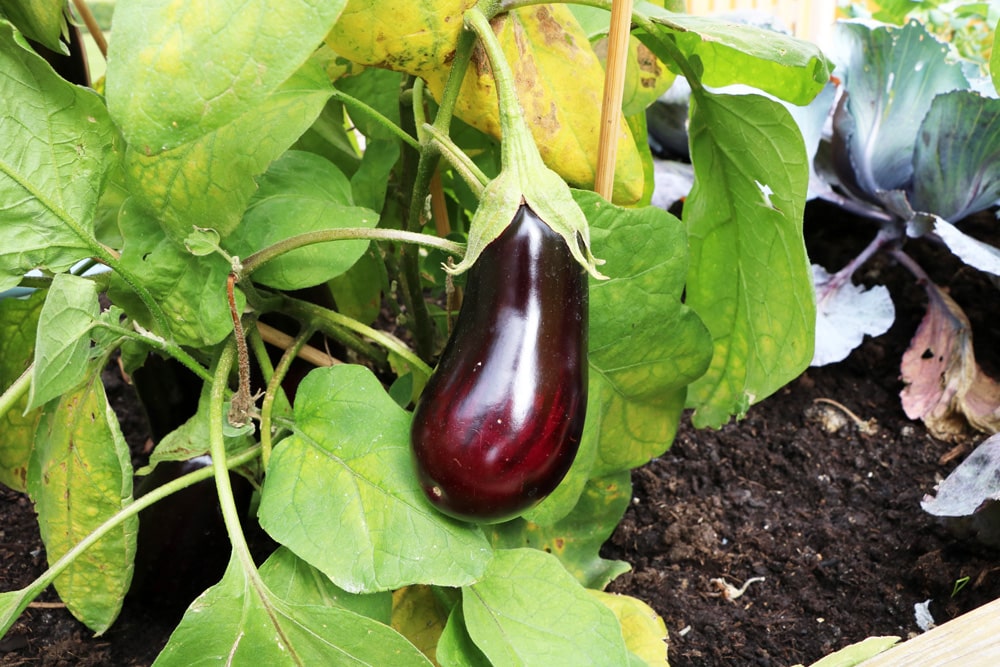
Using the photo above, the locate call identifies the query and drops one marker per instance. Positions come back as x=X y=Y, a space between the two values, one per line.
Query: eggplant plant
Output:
x=239 y=184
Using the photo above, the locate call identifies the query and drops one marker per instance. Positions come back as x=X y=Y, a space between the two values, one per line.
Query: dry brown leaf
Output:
x=945 y=387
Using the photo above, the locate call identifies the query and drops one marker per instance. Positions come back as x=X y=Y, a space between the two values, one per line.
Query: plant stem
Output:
x=353 y=102
x=842 y=277
x=852 y=206
x=261 y=257
x=419 y=112
x=242 y=403
x=167 y=347
x=453 y=86
x=217 y=448
x=274 y=388
x=305 y=312
x=517 y=141
x=409 y=275
x=414 y=178
x=14 y=392
x=911 y=265
x=324 y=318
x=159 y=493
x=462 y=163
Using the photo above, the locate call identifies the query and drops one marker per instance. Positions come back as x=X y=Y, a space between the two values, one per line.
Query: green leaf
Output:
x=749 y=277
x=179 y=71
x=207 y=182
x=18 y=322
x=358 y=292
x=55 y=145
x=371 y=181
x=241 y=621
x=527 y=610
x=41 y=20
x=190 y=439
x=79 y=475
x=330 y=137
x=644 y=631
x=576 y=540
x=857 y=653
x=630 y=434
x=301 y=193
x=643 y=340
x=645 y=346
x=345 y=477
x=455 y=647
x=995 y=60
x=378 y=88
x=192 y=289
x=62 y=348
x=202 y=241
x=722 y=53
x=297 y=582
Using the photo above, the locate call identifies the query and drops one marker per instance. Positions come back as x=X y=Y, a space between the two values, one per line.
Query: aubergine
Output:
x=499 y=423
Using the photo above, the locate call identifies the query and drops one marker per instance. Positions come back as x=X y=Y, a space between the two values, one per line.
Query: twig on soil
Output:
x=953 y=453
x=865 y=426
x=47 y=605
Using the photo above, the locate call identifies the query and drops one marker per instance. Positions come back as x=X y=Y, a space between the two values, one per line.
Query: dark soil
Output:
x=825 y=510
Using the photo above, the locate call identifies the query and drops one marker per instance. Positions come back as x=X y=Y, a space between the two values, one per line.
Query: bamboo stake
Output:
x=92 y=27
x=307 y=353
x=611 y=105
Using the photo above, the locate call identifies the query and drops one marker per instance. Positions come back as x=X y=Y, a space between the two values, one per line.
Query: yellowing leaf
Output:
x=79 y=475
x=646 y=77
x=18 y=319
x=406 y=36
x=559 y=77
x=418 y=616
x=559 y=82
x=644 y=631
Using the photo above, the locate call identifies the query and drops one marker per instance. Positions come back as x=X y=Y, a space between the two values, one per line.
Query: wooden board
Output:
x=971 y=640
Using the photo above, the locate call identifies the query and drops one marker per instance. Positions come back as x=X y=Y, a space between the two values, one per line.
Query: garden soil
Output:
x=771 y=541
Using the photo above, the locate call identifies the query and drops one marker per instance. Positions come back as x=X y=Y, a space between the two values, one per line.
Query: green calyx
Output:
x=523 y=178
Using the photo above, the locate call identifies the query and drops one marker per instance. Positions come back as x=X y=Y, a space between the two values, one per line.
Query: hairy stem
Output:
x=460 y=162
x=354 y=103
x=261 y=257
x=217 y=448
x=324 y=318
x=274 y=389
x=14 y=392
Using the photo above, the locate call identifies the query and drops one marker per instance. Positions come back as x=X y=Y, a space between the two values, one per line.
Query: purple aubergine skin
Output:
x=499 y=422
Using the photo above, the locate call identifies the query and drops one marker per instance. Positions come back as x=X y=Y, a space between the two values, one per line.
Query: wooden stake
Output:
x=282 y=340
x=95 y=30
x=611 y=106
